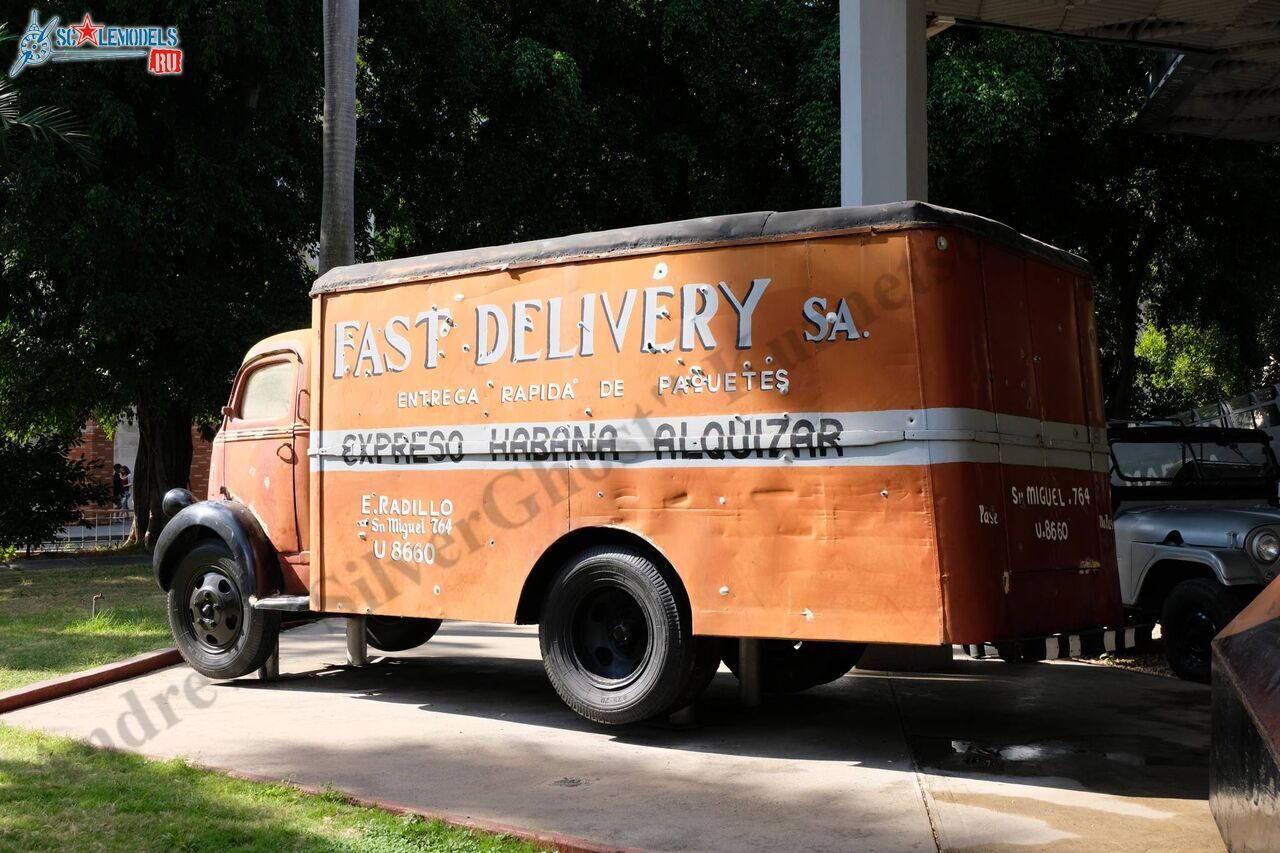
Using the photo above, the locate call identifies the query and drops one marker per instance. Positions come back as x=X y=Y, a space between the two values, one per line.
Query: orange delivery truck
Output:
x=818 y=428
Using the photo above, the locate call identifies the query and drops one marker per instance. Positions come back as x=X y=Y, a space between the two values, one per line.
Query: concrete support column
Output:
x=884 y=150
x=270 y=670
x=357 y=644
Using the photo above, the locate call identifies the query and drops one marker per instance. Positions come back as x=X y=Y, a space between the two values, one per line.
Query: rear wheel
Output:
x=398 y=633
x=1193 y=614
x=215 y=628
x=616 y=641
x=790 y=667
x=1022 y=651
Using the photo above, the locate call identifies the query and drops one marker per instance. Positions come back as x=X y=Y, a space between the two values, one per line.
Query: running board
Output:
x=289 y=603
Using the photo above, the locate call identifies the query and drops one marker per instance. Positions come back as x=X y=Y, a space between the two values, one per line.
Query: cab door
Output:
x=261 y=458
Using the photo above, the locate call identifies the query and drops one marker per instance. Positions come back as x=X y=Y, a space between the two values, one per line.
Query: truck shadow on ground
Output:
x=1073 y=727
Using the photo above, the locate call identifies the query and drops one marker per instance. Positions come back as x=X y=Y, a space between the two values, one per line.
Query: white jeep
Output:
x=1197 y=529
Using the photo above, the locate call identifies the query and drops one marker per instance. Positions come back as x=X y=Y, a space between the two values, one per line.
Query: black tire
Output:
x=1022 y=651
x=398 y=633
x=615 y=638
x=1193 y=614
x=790 y=667
x=706 y=661
x=216 y=630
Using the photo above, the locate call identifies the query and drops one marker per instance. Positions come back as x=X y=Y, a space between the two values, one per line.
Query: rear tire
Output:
x=398 y=633
x=615 y=638
x=1022 y=651
x=1193 y=614
x=790 y=667
x=216 y=630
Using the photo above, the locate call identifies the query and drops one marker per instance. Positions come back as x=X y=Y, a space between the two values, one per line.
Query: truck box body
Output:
x=869 y=424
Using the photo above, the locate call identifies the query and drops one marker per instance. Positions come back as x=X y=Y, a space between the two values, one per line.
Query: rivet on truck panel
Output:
x=724 y=590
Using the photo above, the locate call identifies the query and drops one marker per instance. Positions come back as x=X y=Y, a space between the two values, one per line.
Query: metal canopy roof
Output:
x=1223 y=75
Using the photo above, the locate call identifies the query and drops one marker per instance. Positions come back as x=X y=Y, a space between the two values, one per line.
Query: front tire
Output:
x=398 y=633
x=615 y=638
x=216 y=630
x=1193 y=614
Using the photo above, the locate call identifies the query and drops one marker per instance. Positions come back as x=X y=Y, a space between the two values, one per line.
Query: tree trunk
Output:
x=164 y=463
x=337 y=211
x=1119 y=394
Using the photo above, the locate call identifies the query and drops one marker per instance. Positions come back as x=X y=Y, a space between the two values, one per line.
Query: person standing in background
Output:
x=117 y=485
x=126 y=488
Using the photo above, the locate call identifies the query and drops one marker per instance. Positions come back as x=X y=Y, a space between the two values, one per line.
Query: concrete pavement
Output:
x=986 y=757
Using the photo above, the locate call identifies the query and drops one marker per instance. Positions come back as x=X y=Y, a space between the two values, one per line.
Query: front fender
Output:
x=229 y=521
x=1231 y=566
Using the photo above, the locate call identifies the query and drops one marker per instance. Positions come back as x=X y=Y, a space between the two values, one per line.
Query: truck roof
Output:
x=737 y=228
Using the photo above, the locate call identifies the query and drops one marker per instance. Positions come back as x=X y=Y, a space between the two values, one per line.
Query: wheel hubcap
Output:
x=216 y=610
x=610 y=634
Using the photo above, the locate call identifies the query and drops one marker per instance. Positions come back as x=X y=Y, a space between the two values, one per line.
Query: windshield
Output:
x=1179 y=462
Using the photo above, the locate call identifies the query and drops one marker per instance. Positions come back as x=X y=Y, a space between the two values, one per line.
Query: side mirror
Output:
x=228 y=411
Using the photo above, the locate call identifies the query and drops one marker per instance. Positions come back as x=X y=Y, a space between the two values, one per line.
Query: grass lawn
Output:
x=56 y=794
x=45 y=629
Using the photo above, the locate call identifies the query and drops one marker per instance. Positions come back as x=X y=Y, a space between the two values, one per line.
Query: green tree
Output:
x=1184 y=367
x=533 y=120
x=50 y=485
x=137 y=285
x=1042 y=133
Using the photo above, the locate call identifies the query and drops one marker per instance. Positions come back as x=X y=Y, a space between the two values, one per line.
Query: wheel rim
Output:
x=1197 y=632
x=610 y=636
x=215 y=610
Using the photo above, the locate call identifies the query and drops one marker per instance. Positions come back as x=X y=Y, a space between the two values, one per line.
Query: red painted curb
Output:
x=559 y=841
x=56 y=688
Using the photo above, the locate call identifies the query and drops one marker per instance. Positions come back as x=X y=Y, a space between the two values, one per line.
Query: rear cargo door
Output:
x=1049 y=489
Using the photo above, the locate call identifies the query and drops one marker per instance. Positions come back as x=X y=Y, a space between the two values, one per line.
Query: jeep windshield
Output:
x=1192 y=462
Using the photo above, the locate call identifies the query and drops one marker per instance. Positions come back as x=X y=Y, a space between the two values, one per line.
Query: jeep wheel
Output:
x=216 y=630
x=615 y=638
x=398 y=633
x=1193 y=614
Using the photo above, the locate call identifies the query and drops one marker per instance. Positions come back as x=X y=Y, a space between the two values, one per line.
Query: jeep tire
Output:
x=1193 y=614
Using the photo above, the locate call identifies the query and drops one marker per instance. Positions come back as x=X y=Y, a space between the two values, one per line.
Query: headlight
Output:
x=1265 y=546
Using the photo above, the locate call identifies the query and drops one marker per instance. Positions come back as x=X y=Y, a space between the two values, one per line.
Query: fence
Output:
x=103 y=528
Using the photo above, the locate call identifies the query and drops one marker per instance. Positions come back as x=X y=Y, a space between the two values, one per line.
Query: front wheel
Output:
x=1193 y=614
x=398 y=633
x=616 y=641
x=217 y=632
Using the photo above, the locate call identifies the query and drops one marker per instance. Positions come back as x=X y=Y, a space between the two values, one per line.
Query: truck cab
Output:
x=1197 y=529
x=260 y=453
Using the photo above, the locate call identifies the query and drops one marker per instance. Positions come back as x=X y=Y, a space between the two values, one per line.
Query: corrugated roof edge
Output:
x=708 y=230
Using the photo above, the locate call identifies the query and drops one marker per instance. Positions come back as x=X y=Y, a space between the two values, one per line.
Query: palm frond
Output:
x=44 y=123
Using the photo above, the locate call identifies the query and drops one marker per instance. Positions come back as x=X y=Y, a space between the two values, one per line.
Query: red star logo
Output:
x=87 y=31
